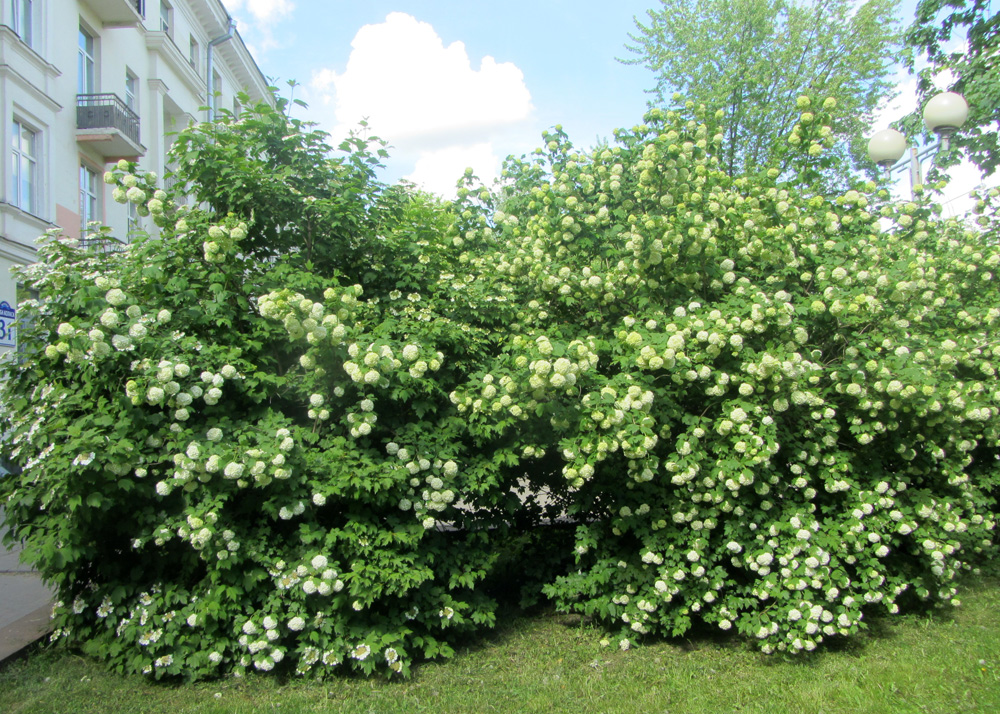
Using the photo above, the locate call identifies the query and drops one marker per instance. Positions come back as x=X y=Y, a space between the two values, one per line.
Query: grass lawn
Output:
x=945 y=662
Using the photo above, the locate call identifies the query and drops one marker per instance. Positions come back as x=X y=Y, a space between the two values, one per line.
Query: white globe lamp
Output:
x=945 y=114
x=886 y=147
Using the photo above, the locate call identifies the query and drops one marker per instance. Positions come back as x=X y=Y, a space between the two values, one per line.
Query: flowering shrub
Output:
x=794 y=417
x=304 y=436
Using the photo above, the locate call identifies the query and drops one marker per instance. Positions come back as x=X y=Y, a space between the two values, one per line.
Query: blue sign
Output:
x=8 y=314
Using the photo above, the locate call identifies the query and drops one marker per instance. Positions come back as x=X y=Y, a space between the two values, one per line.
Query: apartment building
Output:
x=84 y=83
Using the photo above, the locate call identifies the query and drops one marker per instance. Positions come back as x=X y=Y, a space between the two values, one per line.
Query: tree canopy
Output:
x=660 y=395
x=960 y=39
x=753 y=57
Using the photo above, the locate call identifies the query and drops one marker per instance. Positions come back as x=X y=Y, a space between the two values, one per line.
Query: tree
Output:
x=763 y=409
x=297 y=195
x=752 y=58
x=974 y=65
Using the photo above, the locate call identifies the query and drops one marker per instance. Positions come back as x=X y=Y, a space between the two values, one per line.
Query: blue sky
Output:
x=480 y=80
x=454 y=84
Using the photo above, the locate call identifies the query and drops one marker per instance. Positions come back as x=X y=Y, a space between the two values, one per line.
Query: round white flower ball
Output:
x=135 y=195
x=115 y=296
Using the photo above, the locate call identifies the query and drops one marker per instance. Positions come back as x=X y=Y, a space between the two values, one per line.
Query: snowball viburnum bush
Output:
x=301 y=429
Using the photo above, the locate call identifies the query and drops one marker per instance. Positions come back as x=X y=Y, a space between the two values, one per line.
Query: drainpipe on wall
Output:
x=209 y=65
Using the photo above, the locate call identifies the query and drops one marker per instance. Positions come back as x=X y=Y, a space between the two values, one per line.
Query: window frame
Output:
x=23 y=20
x=216 y=97
x=86 y=62
x=133 y=219
x=194 y=53
x=32 y=160
x=131 y=91
x=166 y=18
x=90 y=197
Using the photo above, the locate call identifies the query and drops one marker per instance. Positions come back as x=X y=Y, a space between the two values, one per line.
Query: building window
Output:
x=24 y=167
x=89 y=206
x=134 y=222
x=86 y=76
x=193 y=54
x=166 y=16
x=216 y=92
x=131 y=91
x=22 y=20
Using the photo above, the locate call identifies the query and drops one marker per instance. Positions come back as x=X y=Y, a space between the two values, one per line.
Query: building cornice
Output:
x=161 y=43
x=16 y=250
x=216 y=19
x=24 y=254
x=11 y=210
x=158 y=85
x=11 y=40
x=6 y=71
x=246 y=69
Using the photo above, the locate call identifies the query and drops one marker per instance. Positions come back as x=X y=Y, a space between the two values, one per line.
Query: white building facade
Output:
x=84 y=83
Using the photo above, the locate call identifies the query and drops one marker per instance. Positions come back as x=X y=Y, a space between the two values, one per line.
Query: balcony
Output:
x=103 y=244
x=106 y=125
x=118 y=13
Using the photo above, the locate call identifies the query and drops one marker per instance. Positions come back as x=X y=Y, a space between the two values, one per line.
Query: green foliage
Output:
x=753 y=59
x=757 y=408
x=554 y=663
x=278 y=174
x=973 y=67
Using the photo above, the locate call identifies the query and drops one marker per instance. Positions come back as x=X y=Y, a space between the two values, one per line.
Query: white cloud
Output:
x=963 y=179
x=256 y=19
x=904 y=102
x=438 y=171
x=426 y=99
x=262 y=10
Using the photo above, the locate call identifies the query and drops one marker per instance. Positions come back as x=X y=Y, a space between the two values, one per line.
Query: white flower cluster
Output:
x=118 y=330
x=137 y=188
x=200 y=461
x=264 y=651
x=157 y=384
x=374 y=364
x=314 y=577
x=316 y=322
x=221 y=240
x=561 y=373
x=430 y=493
x=362 y=422
x=200 y=531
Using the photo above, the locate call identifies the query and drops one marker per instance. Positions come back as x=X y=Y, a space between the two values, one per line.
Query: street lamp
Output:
x=944 y=114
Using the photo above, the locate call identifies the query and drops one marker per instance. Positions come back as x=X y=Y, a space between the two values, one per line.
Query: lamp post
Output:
x=944 y=114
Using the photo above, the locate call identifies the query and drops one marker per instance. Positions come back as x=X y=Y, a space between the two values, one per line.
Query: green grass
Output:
x=929 y=662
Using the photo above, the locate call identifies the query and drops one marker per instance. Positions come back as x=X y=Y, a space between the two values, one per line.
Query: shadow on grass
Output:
x=516 y=614
x=879 y=627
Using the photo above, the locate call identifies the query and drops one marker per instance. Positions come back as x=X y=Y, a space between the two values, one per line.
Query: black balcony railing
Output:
x=106 y=111
x=103 y=244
